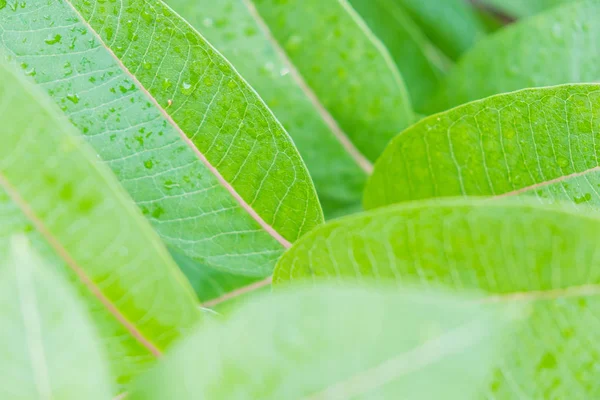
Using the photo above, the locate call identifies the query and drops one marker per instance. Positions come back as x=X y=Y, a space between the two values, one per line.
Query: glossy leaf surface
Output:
x=538 y=141
x=336 y=167
x=192 y=143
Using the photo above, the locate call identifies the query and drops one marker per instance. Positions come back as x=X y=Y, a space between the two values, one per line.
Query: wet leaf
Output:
x=81 y=222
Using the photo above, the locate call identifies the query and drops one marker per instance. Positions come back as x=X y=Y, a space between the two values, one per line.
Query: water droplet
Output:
x=284 y=71
x=186 y=88
x=147 y=65
x=73 y=98
x=208 y=22
x=166 y=84
x=53 y=39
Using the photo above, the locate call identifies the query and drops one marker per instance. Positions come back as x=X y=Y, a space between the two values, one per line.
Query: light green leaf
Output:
x=48 y=348
x=553 y=48
x=543 y=142
x=337 y=343
x=346 y=67
x=338 y=170
x=451 y=24
x=420 y=62
x=80 y=221
x=520 y=8
x=516 y=251
x=192 y=143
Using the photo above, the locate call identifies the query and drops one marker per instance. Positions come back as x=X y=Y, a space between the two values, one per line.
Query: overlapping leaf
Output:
x=543 y=142
x=82 y=223
x=48 y=347
x=191 y=142
x=451 y=24
x=553 y=48
x=232 y=26
x=421 y=63
x=337 y=343
x=516 y=251
x=350 y=72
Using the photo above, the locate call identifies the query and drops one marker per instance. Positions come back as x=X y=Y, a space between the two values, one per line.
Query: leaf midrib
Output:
x=80 y=272
x=342 y=137
x=387 y=371
x=263 y=224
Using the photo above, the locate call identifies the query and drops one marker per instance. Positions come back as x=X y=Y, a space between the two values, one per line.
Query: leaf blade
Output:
x=506 y=144
x=382 y=107
x=65 y=358
x=81 y=221
x=518 y=252
x=516 y=57
x=231 y=181
x=318 y=359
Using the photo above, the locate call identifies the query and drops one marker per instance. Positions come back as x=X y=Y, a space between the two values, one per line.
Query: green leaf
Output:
x=553 y=48
x=543 y=142
x=365 y=343
x=420 y=62
x=48 y=348
x=451 y=24
x=81 y=222
x=516 y=251
x=338 y=170
x=350 y=73
x=191 y=142
x=215 y=286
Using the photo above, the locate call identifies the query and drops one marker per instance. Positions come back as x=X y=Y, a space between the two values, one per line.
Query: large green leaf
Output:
x=552 y=48
x=543 y=142
x=451 y=24
x=516 y=251
x=80 y=221
x=48 y=347
x=336 y=343
x=337 y=168
x=420 y=62
x=191 y=142
x=341 y=61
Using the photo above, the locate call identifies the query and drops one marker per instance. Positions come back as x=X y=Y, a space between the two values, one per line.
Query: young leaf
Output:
x=516 y=251
x=192 y=143
x=78 y=218
x=420 y=62
x=543 y=142
x=338 y=170
x=48 y=348
x=554 y=48
x=351 y=73
x=451 y=24
x=336 y=343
